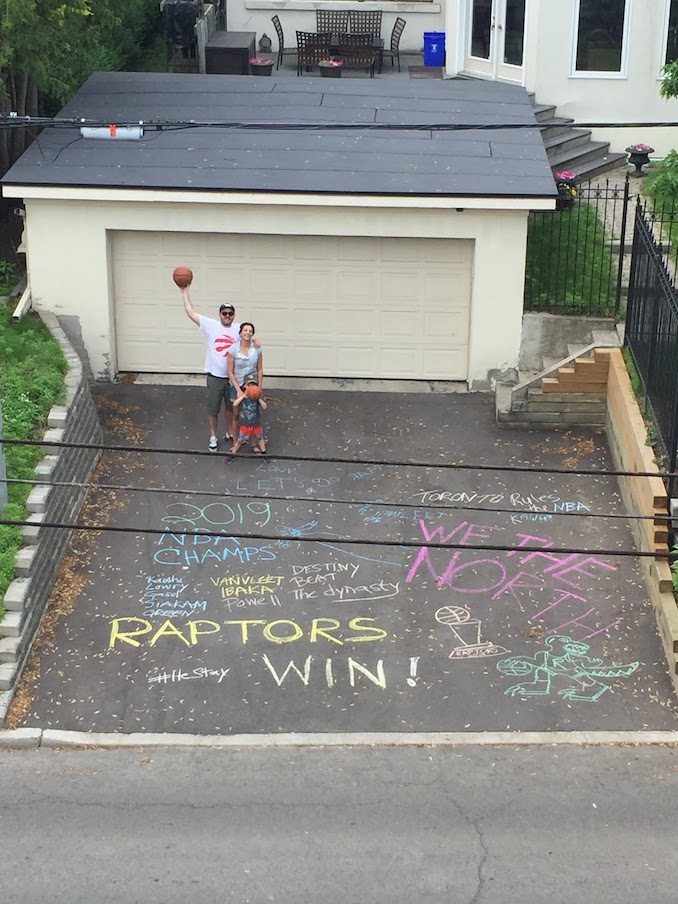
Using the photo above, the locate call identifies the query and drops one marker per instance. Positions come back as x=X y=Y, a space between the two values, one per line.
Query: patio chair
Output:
x=333 y=20
x=365 y=22
x=312 y=47
x=396 y=34
x=357 y=52
x=282 y=50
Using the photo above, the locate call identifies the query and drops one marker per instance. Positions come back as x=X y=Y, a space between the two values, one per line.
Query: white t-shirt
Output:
x=219 y=339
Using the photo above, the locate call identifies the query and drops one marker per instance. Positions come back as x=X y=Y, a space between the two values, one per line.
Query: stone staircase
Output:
x=570 y=391
x=568 y=148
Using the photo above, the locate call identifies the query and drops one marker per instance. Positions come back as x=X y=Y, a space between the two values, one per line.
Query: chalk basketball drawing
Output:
x=467 y=632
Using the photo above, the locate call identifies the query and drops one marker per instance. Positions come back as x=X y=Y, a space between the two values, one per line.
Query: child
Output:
x=250 y=419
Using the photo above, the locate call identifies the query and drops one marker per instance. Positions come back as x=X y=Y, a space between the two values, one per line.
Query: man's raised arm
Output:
x=188 y=307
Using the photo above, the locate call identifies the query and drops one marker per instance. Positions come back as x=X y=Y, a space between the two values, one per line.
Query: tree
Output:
x=48 y=48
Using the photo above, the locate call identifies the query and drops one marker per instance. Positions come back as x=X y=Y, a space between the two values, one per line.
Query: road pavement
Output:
x=472 y=826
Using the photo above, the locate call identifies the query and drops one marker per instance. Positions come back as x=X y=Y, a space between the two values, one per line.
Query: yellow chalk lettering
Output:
x=317 y=631
x=269 y=635
x=194 y=631
x=127 y=636
x=378 y=633
x=244 y=625
x=379 y=679
x=168 y=628
x=291 y=667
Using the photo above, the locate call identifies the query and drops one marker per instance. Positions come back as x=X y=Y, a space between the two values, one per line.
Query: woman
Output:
x=244 y=361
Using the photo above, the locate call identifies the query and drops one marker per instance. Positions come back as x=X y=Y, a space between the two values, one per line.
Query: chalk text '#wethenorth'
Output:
x=128 y=628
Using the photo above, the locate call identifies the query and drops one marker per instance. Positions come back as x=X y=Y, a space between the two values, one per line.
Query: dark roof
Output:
x=509 y=163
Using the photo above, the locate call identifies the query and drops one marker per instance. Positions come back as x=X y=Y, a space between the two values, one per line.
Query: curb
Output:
x=51 y=738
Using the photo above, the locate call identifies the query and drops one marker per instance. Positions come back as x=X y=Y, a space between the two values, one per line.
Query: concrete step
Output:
x=606 y=338
x=566 y=141
x=576 y=158
x=555 y=419
x=556 y=126
x=592 y=168
x=578 y=349
x=543 y=111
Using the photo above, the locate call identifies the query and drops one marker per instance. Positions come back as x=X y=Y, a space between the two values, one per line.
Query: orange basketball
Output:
x=183 y=277
x=253 y=392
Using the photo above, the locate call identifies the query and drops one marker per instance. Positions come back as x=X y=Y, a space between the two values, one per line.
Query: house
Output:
x=597 y=61
x=388 y=249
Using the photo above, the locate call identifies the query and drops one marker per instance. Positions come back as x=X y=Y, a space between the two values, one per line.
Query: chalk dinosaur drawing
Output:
x=565 y=660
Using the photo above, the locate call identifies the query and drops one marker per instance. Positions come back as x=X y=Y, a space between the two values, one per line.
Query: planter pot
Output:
x=564 y=203
x=330 y=71
x=261 y=68
x=639 y=159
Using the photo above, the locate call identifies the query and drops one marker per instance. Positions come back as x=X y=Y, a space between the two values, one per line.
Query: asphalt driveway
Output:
x=229 y=616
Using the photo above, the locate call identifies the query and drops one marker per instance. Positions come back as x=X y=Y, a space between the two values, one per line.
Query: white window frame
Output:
x=665 y=38
x=589 y=74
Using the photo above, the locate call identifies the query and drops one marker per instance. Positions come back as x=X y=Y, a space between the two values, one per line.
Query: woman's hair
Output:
x=247 y=323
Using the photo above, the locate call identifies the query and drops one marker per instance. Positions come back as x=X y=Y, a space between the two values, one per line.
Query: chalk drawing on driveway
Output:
x=467 y=633
x=564 y=659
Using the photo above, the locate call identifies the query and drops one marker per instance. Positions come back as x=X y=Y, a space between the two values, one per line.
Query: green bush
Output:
x=662 y=185
x=32 y=368
x=569 y=265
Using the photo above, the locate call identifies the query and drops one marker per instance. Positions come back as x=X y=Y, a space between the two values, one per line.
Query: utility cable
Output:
x=225 y=497
x=12 y=121
x=343 y=541
x=362 y=462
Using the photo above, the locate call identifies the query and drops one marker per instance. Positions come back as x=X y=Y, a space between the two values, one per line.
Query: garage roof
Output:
x=496 y=163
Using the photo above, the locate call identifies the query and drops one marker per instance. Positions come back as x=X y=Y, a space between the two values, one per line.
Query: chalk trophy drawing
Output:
x=466 y=631
x=565 y=659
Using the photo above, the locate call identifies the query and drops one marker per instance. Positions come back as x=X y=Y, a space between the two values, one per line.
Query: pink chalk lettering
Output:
x=580 y=624
x=529 y=540
x=566 y=595
x=521 y=579
x=580 y=567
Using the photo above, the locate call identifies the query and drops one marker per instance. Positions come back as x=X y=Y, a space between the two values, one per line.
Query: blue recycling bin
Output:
x=434 y=48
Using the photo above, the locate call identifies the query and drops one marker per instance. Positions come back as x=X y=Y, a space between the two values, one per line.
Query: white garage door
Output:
x=322 y=306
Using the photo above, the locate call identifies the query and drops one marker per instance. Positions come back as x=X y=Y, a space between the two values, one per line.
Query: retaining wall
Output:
x=626 y=433
x=40 y=556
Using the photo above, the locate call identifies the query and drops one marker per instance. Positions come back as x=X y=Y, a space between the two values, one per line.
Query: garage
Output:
x=370 y=231
x=324 y=306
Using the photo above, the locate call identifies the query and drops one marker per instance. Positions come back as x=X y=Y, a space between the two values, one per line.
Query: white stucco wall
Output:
x=69 y=250
x=631 y=96
x=299 y=15
x=549 y=70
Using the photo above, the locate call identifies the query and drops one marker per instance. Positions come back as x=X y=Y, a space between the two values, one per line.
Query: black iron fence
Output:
x=651 y=335
x=575 y=255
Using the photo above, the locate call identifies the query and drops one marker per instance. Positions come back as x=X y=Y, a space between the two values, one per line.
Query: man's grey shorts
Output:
x=217 y=393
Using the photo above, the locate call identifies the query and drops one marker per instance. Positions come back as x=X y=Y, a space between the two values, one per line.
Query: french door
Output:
x=495 y=39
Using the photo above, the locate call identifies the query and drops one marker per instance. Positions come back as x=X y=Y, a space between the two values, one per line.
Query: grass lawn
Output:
x=569 y=268
x=32 y=368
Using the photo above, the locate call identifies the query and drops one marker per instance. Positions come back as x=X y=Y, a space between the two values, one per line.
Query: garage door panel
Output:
x=323 y=305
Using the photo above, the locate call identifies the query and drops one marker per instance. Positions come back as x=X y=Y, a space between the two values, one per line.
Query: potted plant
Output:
x=567 y=190
x=639 y=155
x=261 y=66
x=331 y=68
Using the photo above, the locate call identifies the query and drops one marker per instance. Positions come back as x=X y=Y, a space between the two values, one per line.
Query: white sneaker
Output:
x=228 y=438
x=214 y=444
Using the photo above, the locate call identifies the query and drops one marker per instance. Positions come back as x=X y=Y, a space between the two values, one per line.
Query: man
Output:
x=221 y=334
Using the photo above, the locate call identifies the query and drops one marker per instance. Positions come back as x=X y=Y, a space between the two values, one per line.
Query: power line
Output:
x=333 y=501
x=345 y=541
x=12 y=121
x=364 y=462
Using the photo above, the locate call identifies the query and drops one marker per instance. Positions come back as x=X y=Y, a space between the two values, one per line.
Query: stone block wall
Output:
x=40 y=556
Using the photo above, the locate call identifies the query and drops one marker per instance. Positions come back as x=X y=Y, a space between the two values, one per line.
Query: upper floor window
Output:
x=600 y=35
x=672 y=33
